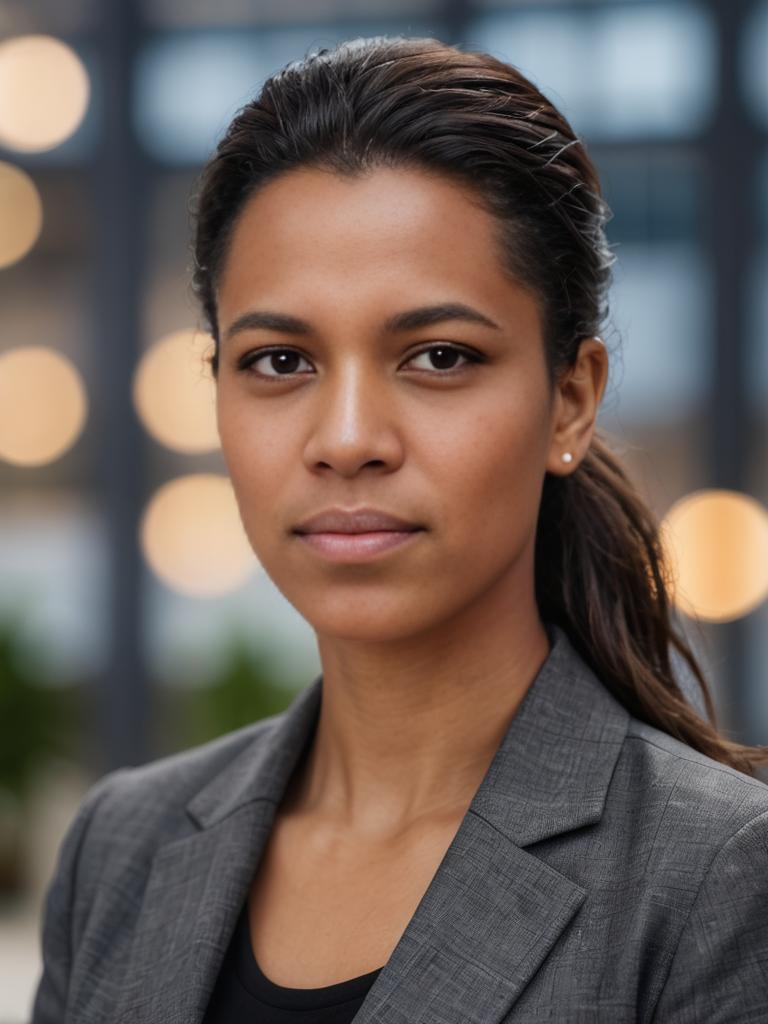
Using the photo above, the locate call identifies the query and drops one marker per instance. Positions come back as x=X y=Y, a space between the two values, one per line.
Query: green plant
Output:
x=38 y=718
x=38 y=722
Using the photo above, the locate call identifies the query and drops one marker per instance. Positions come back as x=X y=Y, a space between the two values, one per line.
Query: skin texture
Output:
x=427 y=650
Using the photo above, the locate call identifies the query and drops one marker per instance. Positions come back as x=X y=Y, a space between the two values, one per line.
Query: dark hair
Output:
x=600 y=570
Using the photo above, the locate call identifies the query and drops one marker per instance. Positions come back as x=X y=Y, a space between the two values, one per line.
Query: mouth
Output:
x=358 y=547
x=355 y=520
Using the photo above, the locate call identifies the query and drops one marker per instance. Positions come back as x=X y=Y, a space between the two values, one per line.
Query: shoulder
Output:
x=105 y=854
x=701 y=829
x=687 y=838
x=685 y=805
x=184 y=770
x=693 y=779
x=717 y=970
x=131 y=811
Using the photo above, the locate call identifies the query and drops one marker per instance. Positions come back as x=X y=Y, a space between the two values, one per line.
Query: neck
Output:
x=408 y=730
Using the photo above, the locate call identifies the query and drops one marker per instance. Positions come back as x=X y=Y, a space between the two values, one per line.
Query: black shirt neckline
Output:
x=263 y=988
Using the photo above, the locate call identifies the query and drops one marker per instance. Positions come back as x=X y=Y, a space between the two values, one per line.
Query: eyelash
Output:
x=245 y=363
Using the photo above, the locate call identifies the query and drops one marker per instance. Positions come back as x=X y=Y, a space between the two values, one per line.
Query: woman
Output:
x=495 y=802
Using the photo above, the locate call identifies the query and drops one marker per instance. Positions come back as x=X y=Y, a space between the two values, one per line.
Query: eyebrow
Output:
x=423 y=316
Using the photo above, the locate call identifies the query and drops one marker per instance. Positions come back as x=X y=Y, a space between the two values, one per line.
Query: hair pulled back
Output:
x=600 y=569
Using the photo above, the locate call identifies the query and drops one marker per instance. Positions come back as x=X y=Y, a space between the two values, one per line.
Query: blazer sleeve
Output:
x=50 y=997
x=719 y=971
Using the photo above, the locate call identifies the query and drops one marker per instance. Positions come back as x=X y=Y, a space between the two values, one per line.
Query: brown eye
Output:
x=281 y=361
x=444 y=357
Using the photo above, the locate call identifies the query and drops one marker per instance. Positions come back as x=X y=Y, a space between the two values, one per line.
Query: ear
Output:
x=578 y=392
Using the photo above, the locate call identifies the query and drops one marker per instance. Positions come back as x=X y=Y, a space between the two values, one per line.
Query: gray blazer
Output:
x=603 y=872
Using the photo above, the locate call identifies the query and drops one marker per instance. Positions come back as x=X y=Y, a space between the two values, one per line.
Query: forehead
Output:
x=386 y=232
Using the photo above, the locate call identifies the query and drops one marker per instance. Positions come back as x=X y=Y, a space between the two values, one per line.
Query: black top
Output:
x=243 y=993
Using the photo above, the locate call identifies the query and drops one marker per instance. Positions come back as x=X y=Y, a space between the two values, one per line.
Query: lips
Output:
x=361 y=520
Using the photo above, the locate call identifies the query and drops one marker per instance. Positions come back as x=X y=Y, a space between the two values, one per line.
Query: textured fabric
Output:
x=603 y=872
x=244 y=994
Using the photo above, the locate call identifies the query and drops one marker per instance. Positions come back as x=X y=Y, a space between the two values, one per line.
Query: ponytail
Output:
x=601 y=575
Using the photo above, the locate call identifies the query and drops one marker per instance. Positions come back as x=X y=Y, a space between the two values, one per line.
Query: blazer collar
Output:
x=492 y=911
x=550 y=773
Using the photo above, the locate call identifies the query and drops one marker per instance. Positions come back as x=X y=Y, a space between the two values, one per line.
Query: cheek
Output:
x=488 y=465
x=489 y=501
x=256 y=452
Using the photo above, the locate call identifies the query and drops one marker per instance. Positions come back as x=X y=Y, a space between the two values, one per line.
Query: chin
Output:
x=367 y=625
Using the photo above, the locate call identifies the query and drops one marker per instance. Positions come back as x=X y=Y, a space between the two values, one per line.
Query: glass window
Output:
x=54 y=557
x=17 y=16
x=659 y=303
x=655 y=194
x=756 y=704
x=758 y=309
x=614 y=71
x=190 y=84
x=758 y=357
x=203 y=13
x=754 y=62
x=660 y=309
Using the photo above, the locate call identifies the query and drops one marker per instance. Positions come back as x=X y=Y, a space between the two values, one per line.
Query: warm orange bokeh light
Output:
x=21 y=214
x=44 y=91
x=193 y=538
x=174 y=392
x=42 y=405
x=717 y=545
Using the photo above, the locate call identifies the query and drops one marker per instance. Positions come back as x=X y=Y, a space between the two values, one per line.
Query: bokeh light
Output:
x=44 y=91
x=174 y=392
x=42 y=405
x=193 y=538
x=717 y=545
x=21 y=214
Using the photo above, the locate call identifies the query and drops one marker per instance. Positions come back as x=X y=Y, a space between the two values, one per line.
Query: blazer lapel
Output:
x=198 y=883
x=493 y=910
x=195 y=890
x=486 y=923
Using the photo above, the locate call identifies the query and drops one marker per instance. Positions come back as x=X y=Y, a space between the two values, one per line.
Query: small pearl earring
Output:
x=566 y=457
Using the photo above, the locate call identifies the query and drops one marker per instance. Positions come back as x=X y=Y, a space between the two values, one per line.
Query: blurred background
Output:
x=134 y=619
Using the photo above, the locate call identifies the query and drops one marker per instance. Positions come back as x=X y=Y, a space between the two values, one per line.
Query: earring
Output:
x=566 y=457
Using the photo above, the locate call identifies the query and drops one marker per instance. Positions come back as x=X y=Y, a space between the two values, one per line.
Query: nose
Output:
x=354 y=424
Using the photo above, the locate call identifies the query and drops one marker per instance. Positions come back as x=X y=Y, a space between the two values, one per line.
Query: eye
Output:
x=442 y=353
x=284 y=361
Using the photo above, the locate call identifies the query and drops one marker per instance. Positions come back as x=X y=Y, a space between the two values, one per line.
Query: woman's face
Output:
x=353 y=411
